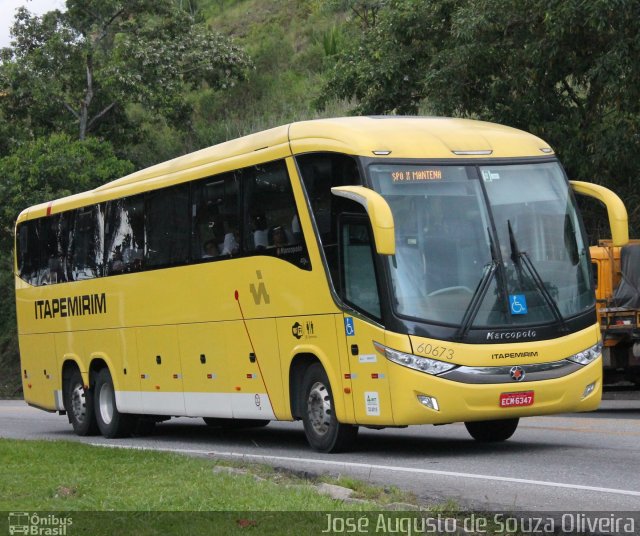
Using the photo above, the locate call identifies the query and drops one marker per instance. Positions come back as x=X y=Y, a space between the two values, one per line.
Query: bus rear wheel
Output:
x=110 y=421
x=324 y=432
x=78 y=402
x=492 y=431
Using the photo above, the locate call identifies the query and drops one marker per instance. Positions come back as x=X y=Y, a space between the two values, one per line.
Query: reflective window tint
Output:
x=88 y=243
x=28 y=251
x=190 y=222
x=271 y=223
x=57 y=255
x=124 y=235
x=167 y=227
x=214 y=210
x=319 y=173
x=360 y=288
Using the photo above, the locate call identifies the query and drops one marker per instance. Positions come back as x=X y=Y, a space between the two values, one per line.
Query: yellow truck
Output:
x=616 y=273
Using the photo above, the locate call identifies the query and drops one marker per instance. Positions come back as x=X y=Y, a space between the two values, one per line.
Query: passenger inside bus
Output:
x=210 y=250
x=231 y=242
x=260 y=232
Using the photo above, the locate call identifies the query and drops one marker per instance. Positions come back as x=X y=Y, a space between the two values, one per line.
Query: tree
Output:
x=49 y=168
x=384 y=66
x=564 y=70
x=74 y=71
x=364 y=11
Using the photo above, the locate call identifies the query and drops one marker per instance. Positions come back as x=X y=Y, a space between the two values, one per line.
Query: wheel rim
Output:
x=319 y=408
x=105 y=401
x=78 y=403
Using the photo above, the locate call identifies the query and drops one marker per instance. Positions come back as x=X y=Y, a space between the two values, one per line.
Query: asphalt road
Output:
x=571 y=462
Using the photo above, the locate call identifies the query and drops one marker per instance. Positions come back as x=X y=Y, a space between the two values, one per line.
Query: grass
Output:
x=363 y=490
x=126 y=491
x=52 y=475
x=120 y=491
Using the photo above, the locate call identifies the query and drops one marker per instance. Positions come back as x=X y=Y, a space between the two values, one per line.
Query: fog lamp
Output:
x=588 y=390
x=429 y=401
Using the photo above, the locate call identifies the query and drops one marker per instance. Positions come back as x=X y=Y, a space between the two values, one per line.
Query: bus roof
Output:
x=384 y=136
x=415 y=137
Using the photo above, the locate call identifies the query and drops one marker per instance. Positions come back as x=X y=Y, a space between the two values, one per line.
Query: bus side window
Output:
x=359 y=286
x=271 y=223
x=319 y=173
x=167 y=227
x=87 y=243
x=28 y=251
x=57 y=247
x=214 y=212
x=124 y=235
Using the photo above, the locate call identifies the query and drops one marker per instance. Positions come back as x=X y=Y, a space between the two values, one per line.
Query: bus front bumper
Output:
x=456 y=401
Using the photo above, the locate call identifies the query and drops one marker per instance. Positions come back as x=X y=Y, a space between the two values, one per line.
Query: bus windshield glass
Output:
x=485 y=245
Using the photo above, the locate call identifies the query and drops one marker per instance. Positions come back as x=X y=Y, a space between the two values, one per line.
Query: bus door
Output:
x=359 y=289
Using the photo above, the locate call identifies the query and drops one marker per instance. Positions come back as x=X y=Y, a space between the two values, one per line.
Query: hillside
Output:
x=290 y=43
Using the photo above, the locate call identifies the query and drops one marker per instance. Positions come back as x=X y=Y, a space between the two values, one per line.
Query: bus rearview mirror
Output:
x=616 y=211
x=379 y=214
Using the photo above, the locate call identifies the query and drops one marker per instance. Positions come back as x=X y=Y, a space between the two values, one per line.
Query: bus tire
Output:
x=324 y=432
x=78 y=404
x=492 y=431
x=232 y=424
x=110 y=421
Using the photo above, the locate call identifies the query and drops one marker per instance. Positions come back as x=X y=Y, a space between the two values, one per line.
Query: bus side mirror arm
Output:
x=379 y=213
x=618 y=221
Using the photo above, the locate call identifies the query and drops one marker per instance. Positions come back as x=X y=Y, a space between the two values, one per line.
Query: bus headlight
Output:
x=423 y=364
x=587 y=356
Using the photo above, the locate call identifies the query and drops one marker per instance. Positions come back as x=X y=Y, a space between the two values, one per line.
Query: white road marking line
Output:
x=400 y=469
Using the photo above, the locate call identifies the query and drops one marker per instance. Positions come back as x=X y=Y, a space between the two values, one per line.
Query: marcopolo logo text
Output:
x=511 y=335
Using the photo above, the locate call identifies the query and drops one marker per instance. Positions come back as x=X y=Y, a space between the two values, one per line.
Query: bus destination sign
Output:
x=408 y=176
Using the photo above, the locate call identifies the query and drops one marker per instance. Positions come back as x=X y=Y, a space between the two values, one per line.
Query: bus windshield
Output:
x=485 y=245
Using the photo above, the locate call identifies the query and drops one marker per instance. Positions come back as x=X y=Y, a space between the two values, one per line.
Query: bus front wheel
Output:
x=492 y=431
x=78 y=402
x=110 y=421
x=324 y=432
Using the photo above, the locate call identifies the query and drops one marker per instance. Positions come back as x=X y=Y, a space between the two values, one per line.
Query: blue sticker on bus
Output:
x=348 y=327
x=518 y=304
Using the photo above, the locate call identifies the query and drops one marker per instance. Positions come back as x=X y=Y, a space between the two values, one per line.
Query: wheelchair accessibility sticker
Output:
x=518 y=304
x=349 y=329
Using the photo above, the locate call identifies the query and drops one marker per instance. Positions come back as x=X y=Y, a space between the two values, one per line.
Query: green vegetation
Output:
x=146 y=80
x=565 y=71
x=66 y=476
x=132 y=491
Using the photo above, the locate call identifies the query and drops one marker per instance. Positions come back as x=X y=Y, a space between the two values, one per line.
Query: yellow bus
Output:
x=366 y=271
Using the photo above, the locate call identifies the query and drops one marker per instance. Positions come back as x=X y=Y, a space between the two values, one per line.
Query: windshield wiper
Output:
x=479 y=293
x=520 y=259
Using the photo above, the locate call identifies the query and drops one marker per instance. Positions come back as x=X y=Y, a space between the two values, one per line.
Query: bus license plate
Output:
x=513 y=400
